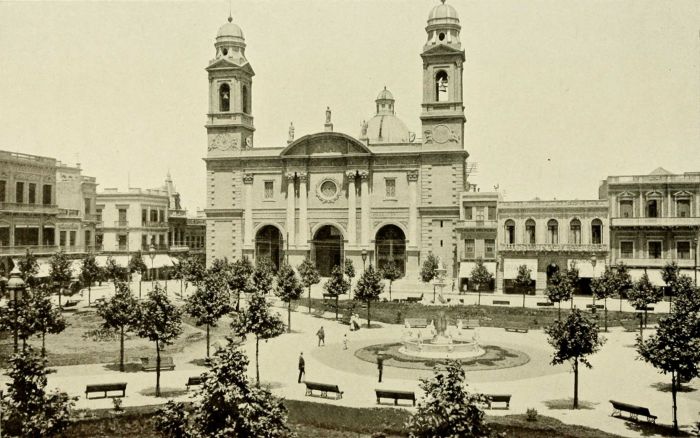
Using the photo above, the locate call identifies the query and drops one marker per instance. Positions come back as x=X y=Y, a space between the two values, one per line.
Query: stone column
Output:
x=303 y=237
x=412 y=207
x=364 y=204
x=248 y=237
x=641 y=204
x=290 y=208
x=352 y=208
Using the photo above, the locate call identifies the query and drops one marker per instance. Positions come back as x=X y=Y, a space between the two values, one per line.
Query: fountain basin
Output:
x=440 y=348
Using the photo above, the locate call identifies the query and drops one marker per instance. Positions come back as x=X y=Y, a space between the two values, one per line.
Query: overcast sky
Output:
x=558 y=94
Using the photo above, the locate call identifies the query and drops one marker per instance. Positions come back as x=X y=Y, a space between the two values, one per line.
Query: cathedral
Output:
x=385 y=195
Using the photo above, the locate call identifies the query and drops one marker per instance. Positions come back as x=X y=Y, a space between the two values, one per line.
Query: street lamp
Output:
x=152 y=255
x=364 y=258
x=695 y=250
x=16 y=286
x=594 y=261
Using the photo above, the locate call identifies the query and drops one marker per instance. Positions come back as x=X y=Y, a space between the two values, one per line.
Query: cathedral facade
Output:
x=385 y=195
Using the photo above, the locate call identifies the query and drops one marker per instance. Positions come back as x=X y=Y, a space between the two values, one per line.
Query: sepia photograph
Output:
x=349 y=218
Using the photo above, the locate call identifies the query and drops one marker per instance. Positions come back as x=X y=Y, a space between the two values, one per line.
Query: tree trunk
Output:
x=121 y=349
x=257 y=356
x=24 y=345
x=558 y=310
x=523 y=298
x=139 y=288
x=368 y=316
x=59 y=297
x=390 y=281
x=157 y=369
x=89 y=293
x=674 y=390
x=207 y=341
x=606 y=313
x=43 y=343
x=576 y=383
x=641 y=328
x=181 y=289
x=336 y=307
x=238 y=301
x=289 y=316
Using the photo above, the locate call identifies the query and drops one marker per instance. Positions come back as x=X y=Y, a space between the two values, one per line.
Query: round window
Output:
x=328 y=189
x=225 y=52
x=441 y=36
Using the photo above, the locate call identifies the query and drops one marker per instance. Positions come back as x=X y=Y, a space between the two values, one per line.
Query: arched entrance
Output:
x=327 y=249
x=269 y=244
x=552 y=269
x=390 y=245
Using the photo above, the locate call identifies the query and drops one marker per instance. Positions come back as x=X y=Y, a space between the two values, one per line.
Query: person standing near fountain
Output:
x=302 y=367
x=380 y=366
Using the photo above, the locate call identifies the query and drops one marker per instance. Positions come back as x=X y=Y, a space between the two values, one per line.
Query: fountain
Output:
x=442 y=343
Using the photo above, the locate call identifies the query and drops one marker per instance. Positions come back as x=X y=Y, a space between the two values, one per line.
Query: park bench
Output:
x=520 y=327
x=194 y=381
x=633 y=410
x=414 y=299
x=630 y=325
x=149 y=363
x=470 y=323
x=416 y=322
x=396 y=395
x=318 y=312
x=70 y=305
x=497 y=398
x=597 y=306
x=98 y=301
x=501 y=302
x=324 y=388
x=105 y=388
x=545 y=304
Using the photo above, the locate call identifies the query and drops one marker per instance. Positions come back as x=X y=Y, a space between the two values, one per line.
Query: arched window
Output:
x=530 y=233
x=224 y=97
x=553 y=231
x=575 y=232
x=510 y=232
x=596 y=231
x=441 y=86
x=244 y=99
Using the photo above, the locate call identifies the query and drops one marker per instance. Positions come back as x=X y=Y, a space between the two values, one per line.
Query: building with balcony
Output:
x=654 y=219
x=186 y=233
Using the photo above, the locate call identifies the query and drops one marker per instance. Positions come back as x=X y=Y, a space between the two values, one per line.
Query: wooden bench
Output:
x=194 y=381
x=149 y=363
x=597 y=306
x=324 y=388
x=633 y=410
x=497 y=398
x=70 y=305
x=396 y=395
x=414 y=299
x=630 y=325
x=501 y=303
x=105 y=388
x=545 y=304
x=470 y=323
x=416 y=322
x=520 y=327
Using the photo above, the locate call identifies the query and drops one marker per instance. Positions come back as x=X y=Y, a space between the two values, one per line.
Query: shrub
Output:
x=531 y=414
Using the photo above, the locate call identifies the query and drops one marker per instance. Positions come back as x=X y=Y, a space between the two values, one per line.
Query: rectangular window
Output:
x=469 y=248
x=491 y=213
x=62 y=239
x=161 y=240
x=467 y=213
x=683 y=250
x=121 y=241
x=480 y=213
x=490 y=248
x=530 y=232
x=144 y=242
x=626 y=208
x=72 y=238
x=46 y=197
x=87 y=238
x=627 y=249
x=88 y=208
x=390 y=184
x=98 y=212
x=683 y=208
x=596 y=234
x=3 y=188
x=269 y=189
x=31 y=198
x=161 y=216
x=655 y=249
x=441 y=224
x=154 y=215
x=653 y=208
x=144 y=216
x=19 y=192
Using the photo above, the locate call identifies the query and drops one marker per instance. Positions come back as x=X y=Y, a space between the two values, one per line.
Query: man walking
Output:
x=380 y=366
x=302 y=367
x=321 y=336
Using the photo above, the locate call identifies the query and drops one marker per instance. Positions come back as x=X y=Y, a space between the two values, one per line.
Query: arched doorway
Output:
x=327 y=249
x=391 y=246
x=269 y=244
x=552 y=269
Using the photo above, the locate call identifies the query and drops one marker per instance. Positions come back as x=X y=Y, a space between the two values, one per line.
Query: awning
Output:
x=510 y=268
x=122 y=260
x=77 y=267
x=586 y=268
x=159 y=261
x=44 y=268
x=688 y=273
x=653 y=274
x=466 y=268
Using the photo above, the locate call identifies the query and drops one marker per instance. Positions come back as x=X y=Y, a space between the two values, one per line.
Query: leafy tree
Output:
x=523 y=280
x=47 y=318
x=349 y=269
x=429 y=270
x=209 y=302
x=603 y=287
x=573 y=340
x=160 y=322
x=259 y=321
x=227 y=405
x=120 y=314
x=240 y=279
x=28 y=267
x=669 y=274
x=559 y=289
x=60 y=272
x=263 y=276
x=29 y=410
x=180 y=271
x=288 y=289
x=196 y=270
x=644 y=293
x=480 y=276
x=448 y=409
x=18 y=316
x=113 y=271
x=309 y=275
x=622 y=281
x=687 y=295
x=571 y=284
x=368 y=288
x=390 y=272
x=336 y=285
x=136 y=264
x=89 y=273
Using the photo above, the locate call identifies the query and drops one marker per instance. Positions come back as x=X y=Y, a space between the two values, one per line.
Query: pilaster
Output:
x=290 y=208
x=364 y=201
x=352 y=208
x=248 y=237
x=303 y=237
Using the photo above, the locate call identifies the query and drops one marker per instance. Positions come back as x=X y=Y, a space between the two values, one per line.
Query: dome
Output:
x=385 y=95
x=387 y=128
x=230 y=30
x=443 y=12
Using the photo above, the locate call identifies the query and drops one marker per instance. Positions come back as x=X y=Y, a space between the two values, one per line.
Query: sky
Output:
x=559 y=94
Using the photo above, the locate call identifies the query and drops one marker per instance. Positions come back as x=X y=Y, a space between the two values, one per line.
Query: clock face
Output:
x=223 y=142
x=441 y=133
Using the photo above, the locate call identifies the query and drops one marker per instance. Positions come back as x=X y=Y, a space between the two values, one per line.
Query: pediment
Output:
x=627 y=195
x=228 y=63
x=654 y=194
x=683 y=194
x=325 y=144
x=442 y=49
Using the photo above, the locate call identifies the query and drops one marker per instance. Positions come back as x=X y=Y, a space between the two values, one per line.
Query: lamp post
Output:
x=16 y=286
x=695 y=250
x=594 y=261
x=152 y=255
x=364 y=259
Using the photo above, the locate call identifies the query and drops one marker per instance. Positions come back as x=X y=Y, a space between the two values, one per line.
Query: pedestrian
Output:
x=380 y=366
x=345 y=341
x=321 y=336
x=302 y=367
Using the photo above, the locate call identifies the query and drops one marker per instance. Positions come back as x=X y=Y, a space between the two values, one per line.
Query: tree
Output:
x=392 y=273
x=258 y=320
x=368 y=288
x=480 y=276
x=349 y=270
x=160 y=322
x=603 y=287
x=240 y=279
x=89 y=273
x=263 y=276
x=28 y=268
x=136 y=264
x=336 y=285
x=687 y=295
x=448 y=409
x=523 y=280
x=209 y=302
x=642 y=294
x=622 y=281
x=429 y=270
x=60 y=272
x=573 y=340
x=113 y=272
x=669 y=274
x=195 y=270
x=120 y=314
x=571 y=284
x=309 y=275
x=288 y=289
x=47 y=318
x=180 y=271
x=227 y=405
x=18 y=316
x=29 y=410
x=559 y=289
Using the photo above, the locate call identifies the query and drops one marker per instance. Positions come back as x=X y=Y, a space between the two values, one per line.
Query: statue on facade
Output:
x=364 y=129
x=328 y=114
x=291 y=132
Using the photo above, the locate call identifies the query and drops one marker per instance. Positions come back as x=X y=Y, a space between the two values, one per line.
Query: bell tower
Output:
x=229 y=119
x=442 y=116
